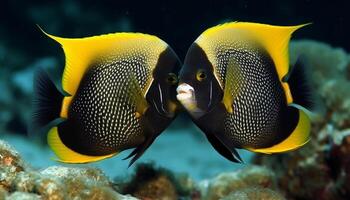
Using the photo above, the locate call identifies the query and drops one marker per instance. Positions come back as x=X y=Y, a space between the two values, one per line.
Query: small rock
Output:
x=3 y=193
x=10 y=165
x=51 y=188
x=254 y=193
x=23 y=196
x=25 y=181
x=252 y=176
x=75 y=182
x=151 y=183
x=92 y=175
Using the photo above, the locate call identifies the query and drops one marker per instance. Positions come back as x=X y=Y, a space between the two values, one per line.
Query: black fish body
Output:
x=233 y=85
x=120 y=95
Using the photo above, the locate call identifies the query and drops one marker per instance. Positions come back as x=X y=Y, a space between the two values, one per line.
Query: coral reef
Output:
x=10 y=165
x=19 y=181
x=320 y=169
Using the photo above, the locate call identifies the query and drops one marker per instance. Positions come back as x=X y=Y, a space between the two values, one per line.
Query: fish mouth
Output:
x=185 y=92
x=186 y=96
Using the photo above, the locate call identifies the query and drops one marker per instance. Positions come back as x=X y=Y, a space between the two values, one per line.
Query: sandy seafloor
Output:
x=182 y=151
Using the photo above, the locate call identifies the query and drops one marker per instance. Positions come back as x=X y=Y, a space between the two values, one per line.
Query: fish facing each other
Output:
x=237 y=85
x=119 y=92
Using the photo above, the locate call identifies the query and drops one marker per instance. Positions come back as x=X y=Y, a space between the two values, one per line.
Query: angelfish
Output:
x=118 y=92
x=237 y=86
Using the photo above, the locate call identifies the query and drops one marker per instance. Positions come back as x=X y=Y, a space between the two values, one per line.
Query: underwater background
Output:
x=181 y=164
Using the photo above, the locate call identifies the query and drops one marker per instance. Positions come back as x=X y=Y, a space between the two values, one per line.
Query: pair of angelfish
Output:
x=122 y=90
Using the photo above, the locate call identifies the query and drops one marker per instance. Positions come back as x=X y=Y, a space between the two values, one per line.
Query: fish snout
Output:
x=185 y=92
x=186 y=96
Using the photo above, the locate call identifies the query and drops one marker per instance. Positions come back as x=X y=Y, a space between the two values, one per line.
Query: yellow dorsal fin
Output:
x=299 y=137
x=81 y=52
x=275 y=39
x=67 y=155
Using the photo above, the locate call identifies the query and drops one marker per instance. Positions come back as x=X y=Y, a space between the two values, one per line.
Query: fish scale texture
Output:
x=101 y=106
x=258 y=99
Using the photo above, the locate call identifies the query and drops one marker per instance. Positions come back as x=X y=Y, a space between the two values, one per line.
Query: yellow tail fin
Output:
x=67 y=155
x=299 y=137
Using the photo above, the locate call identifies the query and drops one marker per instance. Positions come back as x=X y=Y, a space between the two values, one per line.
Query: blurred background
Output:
x=23 y=48
x=177 y=22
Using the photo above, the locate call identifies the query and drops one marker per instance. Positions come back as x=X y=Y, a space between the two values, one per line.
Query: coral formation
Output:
x=19 y=181
x=225 y=183
x=254 y=193
x=150 y=182
x=10 y=165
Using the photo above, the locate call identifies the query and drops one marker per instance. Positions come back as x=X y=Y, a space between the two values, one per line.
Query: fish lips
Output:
x=187 y=97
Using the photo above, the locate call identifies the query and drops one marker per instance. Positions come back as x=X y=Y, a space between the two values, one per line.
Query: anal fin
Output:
x=139 y=151
x=67 y=155
x=231 y=155
x=299 y=136
x=216 y=133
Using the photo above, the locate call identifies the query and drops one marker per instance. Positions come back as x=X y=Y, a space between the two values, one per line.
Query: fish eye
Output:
x=201 y=75
x=172 y=78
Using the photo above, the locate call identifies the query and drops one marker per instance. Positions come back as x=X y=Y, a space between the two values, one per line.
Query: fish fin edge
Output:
x=81 y=53
x=46 y=103
x=231 y=155
x=300 y=86
x=139 y=151
x=274 y=38
x=65 y=154
x=299 y=137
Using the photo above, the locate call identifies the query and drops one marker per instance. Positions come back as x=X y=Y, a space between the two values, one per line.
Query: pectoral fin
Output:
x=233 y=82
x=135 y=94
